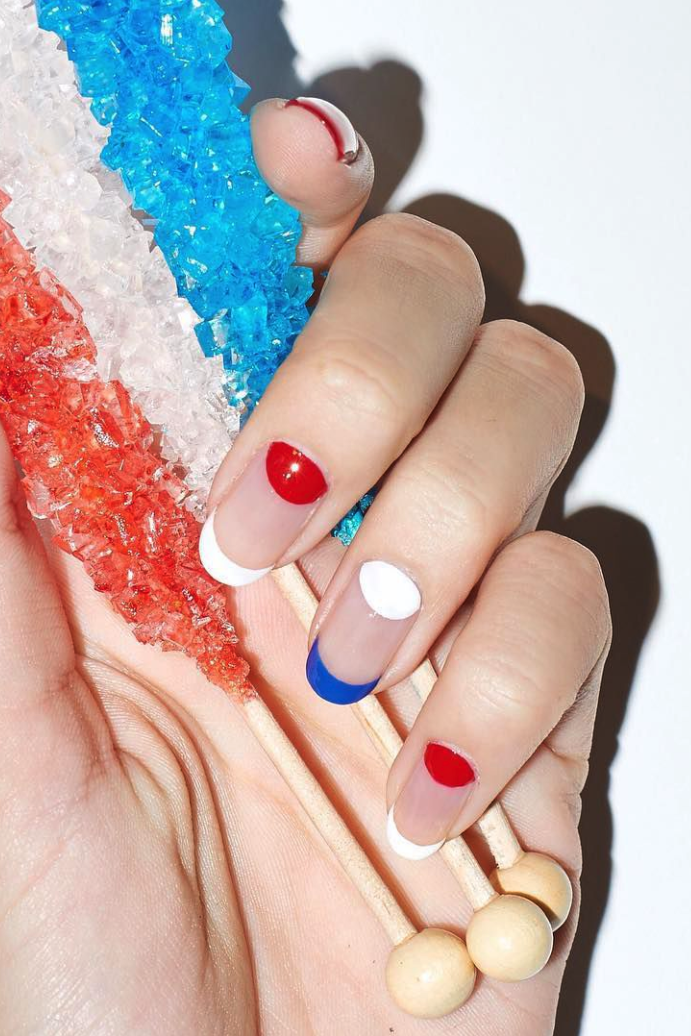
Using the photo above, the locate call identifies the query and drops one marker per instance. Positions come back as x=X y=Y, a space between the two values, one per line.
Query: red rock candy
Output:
x=91 y=467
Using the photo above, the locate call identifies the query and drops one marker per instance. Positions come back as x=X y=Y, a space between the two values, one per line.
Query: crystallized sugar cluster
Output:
x=74 y=214
x=156 y=72
x=89 y=466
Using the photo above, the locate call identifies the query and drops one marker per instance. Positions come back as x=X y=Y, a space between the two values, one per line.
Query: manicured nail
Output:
x=277 y=493
x=362 y=632
x=338 y=125
x=430 y=801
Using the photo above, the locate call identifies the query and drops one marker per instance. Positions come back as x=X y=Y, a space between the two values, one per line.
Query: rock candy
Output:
x=91 y=467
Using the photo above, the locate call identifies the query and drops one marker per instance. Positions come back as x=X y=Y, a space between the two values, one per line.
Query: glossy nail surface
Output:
x=362 y=632
x=337 y=124
x=262 y=514
x=430 y=801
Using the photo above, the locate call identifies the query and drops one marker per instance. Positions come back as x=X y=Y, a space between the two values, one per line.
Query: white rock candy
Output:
x=74 y=214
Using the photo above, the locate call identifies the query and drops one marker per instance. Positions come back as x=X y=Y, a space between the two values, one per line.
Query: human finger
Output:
x=35 y=646
x=312 y=157
x=537 y=631
x=397 y=316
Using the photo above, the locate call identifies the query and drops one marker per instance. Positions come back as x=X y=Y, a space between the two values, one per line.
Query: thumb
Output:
x=312 y=157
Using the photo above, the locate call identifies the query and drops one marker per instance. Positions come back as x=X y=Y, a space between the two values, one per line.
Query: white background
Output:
x=565 y=130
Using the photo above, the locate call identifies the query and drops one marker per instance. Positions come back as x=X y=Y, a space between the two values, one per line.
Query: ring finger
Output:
x=492 y=448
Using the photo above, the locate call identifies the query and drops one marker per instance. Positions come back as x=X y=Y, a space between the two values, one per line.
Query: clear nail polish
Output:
x=262 y=514
x=430 y=801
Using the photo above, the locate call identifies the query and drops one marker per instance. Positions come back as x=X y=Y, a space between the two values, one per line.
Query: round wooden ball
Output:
x=542 y=879
x=430 y=974
x=509 y=939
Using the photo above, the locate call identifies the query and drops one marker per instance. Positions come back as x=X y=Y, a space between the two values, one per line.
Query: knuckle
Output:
x=364 y=390
x=428 y=249
x=541 y=360
x=508 y=687
x=449 y=502
x=576 y=572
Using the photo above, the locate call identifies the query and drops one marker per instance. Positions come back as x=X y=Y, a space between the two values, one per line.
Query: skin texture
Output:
x=156 y=876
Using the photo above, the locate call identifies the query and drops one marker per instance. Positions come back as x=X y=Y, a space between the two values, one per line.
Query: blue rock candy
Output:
x=156 y=73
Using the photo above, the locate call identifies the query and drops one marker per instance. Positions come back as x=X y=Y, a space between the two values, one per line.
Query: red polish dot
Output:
x=292 y=475
x=447 y=767
x=325 y=121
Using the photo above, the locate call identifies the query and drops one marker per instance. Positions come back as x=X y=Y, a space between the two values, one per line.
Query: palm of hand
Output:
x=156 y=875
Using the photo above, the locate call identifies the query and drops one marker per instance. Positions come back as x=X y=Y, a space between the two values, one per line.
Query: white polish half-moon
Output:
x=403 y=846
x=349 y=138
x=219 y=565
x=388 y=591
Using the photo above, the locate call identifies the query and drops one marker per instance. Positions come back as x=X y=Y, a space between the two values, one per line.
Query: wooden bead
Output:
x=540 y=878
x=509 y=939
x=430 y=974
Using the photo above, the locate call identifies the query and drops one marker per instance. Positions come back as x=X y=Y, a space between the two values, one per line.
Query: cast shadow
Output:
x=384 y=102
x=621 y=542
x=263 y=53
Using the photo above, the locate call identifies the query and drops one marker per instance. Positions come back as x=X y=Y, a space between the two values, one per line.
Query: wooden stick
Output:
x=327 y=821
x=386 y=739
x=499 y=835
x=478 y=890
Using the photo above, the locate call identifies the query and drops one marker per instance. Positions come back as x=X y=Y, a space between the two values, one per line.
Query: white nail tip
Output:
x=403 y=846
x=219 y=565
x=388 y=591
x=349 y=138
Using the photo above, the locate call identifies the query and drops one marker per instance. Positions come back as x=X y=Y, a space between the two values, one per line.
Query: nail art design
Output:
x=430 y=801
x=338 y=125
x=267 y=506
x=293 y=475
x=218 y=564
x=388 y=591
x=362 y=633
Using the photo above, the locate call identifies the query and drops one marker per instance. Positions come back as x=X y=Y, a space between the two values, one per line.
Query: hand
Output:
x=156 y=876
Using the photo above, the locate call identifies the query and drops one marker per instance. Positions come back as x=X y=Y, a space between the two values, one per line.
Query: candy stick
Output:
x=72 y=432
x=509 y=936
x=37 y=162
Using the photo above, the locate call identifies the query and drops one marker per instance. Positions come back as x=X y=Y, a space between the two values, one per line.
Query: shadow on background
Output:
x=375 y=98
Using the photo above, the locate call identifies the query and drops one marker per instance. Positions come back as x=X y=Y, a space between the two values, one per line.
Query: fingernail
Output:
x=338 y=125
x=362 y=633
x=274 y=497
x=430 y=801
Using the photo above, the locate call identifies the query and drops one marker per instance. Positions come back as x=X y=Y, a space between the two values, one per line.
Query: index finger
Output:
x=310 y=154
